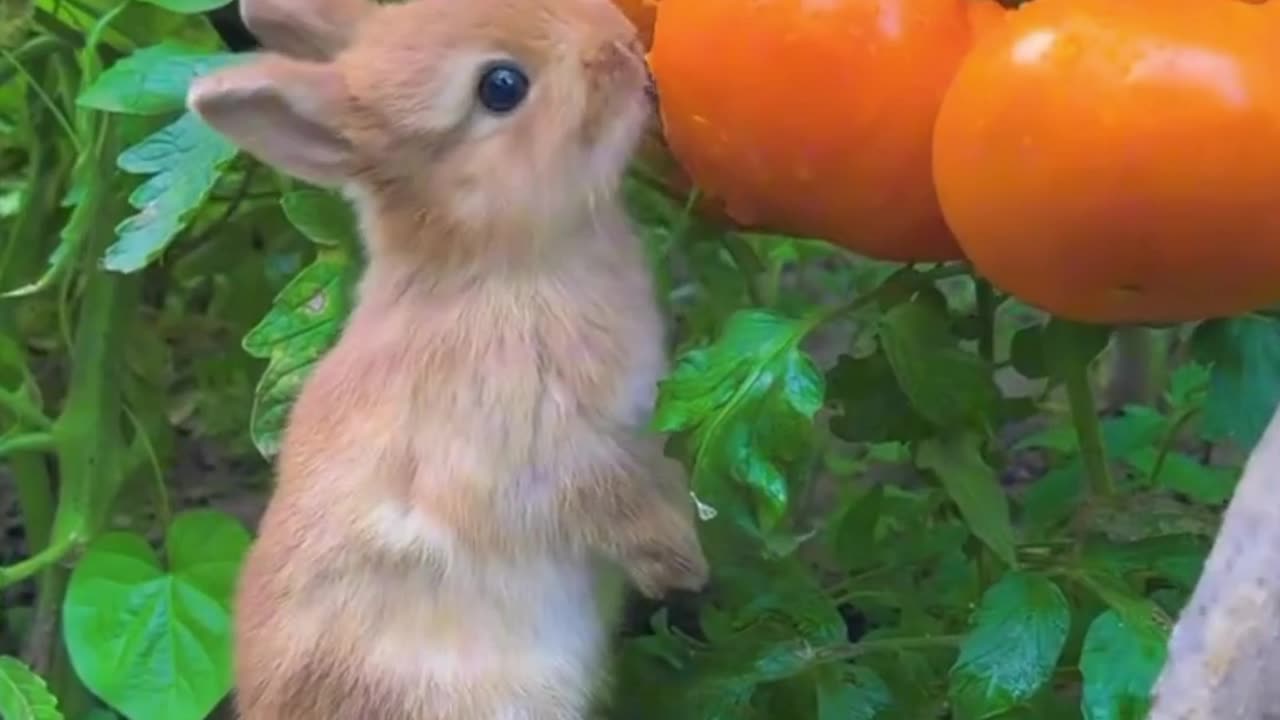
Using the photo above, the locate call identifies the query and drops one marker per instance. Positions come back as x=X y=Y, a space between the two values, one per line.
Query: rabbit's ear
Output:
x=285 y=112
x=305 y=29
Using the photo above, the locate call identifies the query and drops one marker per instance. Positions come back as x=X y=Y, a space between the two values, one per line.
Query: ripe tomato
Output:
x=814 y=118
x=1119 y=161
x=642 y=13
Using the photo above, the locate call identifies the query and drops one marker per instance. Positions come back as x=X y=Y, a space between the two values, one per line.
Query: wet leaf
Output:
x=1119 y=663
x=748 y=403
x=1019 y=632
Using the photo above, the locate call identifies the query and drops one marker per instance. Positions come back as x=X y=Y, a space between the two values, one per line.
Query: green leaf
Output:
x=154 y=643
x=1021 y=627
x=873 y=406
x=305 y=320
x=323 y=216
x=854 y=536
x=1069 y=345
x=957 y=462
x=1175 y=557
x=1119 y=662
x=1206 y=484
x=1244 y=386
x=1053 y=498
x=748 y=403
x=307 y=316
x=1026 y=352
x=184 y=160
x=189 y=7
x=153 y=80
x=946 y=385
x=23 y=694
x=850 y=693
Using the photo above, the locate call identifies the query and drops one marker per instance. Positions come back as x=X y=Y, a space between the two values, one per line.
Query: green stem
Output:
x=827 y=315
x=23 y=410
x=986 y=301
x=753 y=271
x=36 y=49
x=1084 y=414
x=27 y=442
x=51 y=554
x=1170 y=437
x=868 y=647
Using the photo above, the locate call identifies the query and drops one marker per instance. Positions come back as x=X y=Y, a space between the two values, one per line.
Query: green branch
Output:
x=47 y=557
x=24 y=410
x=26 y=442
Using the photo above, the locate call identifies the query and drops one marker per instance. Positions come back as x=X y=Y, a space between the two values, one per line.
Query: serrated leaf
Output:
x=155 y=642
x=1119 y=662
x=24 y=694
x=748 y=403
x=855 y=693
x=957 y=462
x=305 y=320
x=946 y=385
x=1019 y=632
x=1244 y=385
x=184 y=160
x=154 y=80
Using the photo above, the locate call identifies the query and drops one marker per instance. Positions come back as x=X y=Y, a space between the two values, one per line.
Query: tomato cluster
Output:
x=1107 y=161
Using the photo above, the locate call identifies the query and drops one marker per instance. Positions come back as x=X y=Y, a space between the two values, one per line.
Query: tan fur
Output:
x=460 y=467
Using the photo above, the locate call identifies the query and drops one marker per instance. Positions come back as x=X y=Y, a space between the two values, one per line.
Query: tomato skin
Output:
x=814 y=118
x=1119 y=162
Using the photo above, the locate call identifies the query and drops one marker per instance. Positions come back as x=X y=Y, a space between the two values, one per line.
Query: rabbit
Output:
x=466 y=479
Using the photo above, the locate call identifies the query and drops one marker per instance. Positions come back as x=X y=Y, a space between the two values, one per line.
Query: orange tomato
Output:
x=1119 y=162
x=642 y=13
x=814 y=118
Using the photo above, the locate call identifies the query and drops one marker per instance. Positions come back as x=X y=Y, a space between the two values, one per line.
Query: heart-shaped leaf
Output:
x=154 y=643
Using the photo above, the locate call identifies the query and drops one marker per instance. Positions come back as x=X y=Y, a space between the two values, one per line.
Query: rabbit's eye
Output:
x=502 y=87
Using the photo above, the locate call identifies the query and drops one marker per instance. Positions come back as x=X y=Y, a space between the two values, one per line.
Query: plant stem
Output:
x=867 y=647
x=23 y=410
x=753 y=271
x=1170 y=437
x=827 y=315
x=27 y=442
x=51 y=554
x=986 y=301
x=1084 y=414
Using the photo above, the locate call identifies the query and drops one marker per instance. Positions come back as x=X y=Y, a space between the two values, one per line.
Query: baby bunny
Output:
x=462 y=471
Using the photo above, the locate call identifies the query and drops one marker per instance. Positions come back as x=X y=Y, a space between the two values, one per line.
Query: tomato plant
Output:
x=912 y=503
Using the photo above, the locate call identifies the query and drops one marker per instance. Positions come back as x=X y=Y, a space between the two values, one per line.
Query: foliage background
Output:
x=913 y=504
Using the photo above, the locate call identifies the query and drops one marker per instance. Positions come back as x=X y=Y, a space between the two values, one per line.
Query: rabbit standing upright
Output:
x=462 y=469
